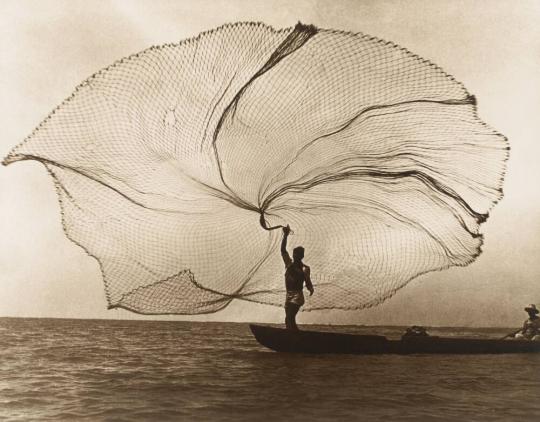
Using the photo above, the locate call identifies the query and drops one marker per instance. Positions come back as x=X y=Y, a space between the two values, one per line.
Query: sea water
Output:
x=54 y=369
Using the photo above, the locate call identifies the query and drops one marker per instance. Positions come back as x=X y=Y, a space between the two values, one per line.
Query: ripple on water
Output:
x=141 y=370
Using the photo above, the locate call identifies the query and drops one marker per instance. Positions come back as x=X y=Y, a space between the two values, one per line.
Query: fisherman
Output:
x=295 y=275
x=531 y=327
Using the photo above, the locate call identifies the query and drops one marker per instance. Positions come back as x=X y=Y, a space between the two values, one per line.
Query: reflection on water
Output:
x=149 y=370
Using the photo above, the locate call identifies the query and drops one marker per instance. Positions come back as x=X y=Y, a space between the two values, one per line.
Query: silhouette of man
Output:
x=296 y=274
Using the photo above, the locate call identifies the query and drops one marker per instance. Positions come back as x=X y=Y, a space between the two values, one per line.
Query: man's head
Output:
x=531 y=310
x=298 y=253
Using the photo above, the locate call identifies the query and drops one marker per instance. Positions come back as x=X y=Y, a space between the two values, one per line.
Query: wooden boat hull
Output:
x=282 y=340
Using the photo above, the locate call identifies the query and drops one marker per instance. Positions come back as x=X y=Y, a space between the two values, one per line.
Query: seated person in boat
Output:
x=296 y=274
x=531 y=327
x=415 y=331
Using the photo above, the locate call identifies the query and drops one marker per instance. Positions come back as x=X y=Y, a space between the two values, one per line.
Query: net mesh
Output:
x=170 y=164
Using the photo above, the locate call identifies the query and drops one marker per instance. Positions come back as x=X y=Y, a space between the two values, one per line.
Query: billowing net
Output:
x=171 y=164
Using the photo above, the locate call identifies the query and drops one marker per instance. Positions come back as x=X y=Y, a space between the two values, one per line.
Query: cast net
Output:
x=171 y=165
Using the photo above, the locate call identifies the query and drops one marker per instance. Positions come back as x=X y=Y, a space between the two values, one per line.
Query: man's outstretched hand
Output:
x=286 y=230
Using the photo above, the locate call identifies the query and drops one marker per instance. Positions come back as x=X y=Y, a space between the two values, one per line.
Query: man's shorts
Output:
x=295 y=297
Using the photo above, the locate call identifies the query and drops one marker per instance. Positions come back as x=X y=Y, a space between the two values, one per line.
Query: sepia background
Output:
x=493 y=47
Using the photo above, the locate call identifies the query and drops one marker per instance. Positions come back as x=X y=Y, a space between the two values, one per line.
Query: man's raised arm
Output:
x=284 y=254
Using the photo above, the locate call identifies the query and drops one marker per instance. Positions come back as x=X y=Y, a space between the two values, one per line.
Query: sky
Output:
x=493 y=47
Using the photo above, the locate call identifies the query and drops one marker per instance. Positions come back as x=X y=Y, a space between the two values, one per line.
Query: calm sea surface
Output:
x=148 y=370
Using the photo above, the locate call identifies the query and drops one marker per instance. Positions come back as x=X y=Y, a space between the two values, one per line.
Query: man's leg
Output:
x=295 y=311
x=289 y=317
x=291 y=310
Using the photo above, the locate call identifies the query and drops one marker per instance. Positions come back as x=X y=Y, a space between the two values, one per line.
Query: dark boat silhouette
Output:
x=283 y=340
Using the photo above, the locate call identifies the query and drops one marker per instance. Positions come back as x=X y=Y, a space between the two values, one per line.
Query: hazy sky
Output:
x=493 y=47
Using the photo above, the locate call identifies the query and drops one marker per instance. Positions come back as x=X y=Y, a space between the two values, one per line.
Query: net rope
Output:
x=172 y=165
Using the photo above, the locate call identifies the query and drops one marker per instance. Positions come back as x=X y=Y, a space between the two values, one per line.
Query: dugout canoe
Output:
x=283 y=340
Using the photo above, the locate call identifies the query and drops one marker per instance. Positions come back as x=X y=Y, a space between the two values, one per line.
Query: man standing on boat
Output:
x=296 y=274
x=531 y=327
